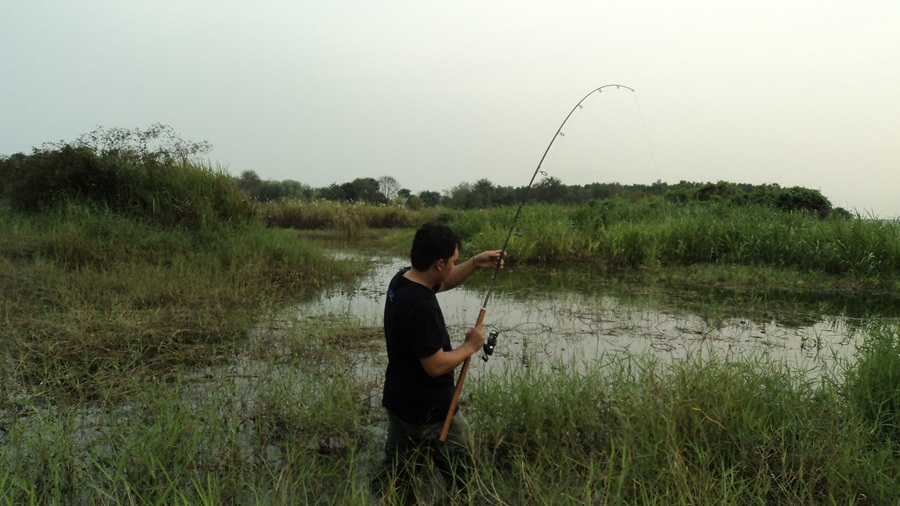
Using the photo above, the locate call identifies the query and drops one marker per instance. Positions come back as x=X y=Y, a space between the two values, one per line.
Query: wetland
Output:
x=166 y=341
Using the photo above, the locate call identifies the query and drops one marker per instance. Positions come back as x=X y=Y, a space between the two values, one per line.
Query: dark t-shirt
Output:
x=414 y=328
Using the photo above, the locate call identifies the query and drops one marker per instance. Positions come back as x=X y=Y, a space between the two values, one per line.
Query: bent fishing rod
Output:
x=492 y=338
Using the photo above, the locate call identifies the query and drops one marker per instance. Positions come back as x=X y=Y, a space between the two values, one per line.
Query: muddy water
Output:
x=552 y=318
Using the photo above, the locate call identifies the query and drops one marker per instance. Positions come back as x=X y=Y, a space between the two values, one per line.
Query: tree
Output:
x=249 y=183
x=550 y=190
x=158 y=143
x=389 y=187
x=482 y=194
x=430 y=198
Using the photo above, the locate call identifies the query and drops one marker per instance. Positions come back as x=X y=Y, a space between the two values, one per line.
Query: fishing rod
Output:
x=491 y=341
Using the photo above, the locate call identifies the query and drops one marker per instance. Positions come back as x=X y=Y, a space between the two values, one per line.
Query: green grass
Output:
x=649 y=234
x=701 y=431
x=288 y=421
x=89 y=295
x=349 y=219
x=697 y=242
x=151 y=352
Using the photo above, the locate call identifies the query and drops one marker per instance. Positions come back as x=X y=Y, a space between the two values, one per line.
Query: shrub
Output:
x=167 y=192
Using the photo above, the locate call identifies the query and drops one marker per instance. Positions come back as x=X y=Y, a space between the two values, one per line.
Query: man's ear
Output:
x=439 y=264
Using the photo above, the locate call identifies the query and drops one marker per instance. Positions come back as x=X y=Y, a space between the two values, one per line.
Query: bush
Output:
x=804 y=199
x=167 y=192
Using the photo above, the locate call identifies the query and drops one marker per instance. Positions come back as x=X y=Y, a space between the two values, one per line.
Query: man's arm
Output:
x=443 y=362
x=462 y=271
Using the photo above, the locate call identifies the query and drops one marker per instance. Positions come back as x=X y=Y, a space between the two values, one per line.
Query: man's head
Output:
x=433 y=242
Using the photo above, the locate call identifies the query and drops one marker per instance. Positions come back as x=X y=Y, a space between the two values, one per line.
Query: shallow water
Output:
x=552 y=318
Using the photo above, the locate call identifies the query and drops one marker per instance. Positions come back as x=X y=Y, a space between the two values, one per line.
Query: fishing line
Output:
x=537 y=170
x=647 y=137
x=489 y=346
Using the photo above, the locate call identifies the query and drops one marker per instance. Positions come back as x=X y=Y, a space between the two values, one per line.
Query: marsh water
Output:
x=564 y=317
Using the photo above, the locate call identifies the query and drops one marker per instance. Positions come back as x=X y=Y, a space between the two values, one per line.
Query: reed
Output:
x=349 y=218
x=652 y=234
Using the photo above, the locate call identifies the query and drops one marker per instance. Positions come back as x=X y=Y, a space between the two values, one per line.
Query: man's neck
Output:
x=423 y=278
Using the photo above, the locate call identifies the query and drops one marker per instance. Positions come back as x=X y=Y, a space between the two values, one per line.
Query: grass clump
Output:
x=630 y=430
x=160 y=190
x=873 y=385
x=351 y=219
x=281 y=421
x=89 y=295
x=658 y=236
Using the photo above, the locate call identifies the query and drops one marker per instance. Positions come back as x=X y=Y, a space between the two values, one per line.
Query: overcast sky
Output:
x=798 y=93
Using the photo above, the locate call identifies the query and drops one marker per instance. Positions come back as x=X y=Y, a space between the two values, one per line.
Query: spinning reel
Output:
x=490 y=344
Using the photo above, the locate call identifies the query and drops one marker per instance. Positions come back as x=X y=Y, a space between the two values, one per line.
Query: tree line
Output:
x=75 y=165
x=484 y=194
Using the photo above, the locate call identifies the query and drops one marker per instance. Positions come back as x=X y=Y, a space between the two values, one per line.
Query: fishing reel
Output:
x=490 y=344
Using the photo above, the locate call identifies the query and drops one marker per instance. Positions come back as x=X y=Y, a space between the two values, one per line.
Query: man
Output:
x=419 y=380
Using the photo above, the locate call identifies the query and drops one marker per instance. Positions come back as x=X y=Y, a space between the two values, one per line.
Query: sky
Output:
x=435 y=94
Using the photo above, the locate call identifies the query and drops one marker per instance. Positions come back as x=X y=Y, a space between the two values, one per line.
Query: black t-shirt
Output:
x=414 y=328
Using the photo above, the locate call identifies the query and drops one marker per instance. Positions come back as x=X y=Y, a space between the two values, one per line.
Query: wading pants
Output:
x=407 y=443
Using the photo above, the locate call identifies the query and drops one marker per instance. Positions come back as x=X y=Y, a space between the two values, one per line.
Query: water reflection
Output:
x=546 y=316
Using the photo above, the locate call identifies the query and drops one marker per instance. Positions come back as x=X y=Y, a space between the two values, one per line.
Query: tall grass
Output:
x=89 y=295
x=281 y=421
x=623 y=234
x=169 y=193
x=288 y=421
x=629 y=430
x=873 y=385
x=347 y=218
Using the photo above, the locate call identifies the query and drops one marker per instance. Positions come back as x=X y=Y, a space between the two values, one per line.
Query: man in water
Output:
x=419 y=382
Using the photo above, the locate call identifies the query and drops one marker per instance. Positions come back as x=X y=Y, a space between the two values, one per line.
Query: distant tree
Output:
x=721 y=191
x=334 y=192
x=158 y=143
x=550 y=190
x=459 y=197
x=388 y=186
x=507 y=195
x=296 y=190
x=414 y=203
x=249 y=183
x=482 y=195
x=358 y=190
x=430 y=198
x=804 y=199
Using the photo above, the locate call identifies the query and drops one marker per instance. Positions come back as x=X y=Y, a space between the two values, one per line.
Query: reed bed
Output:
x=349 y=218
x=651 y=234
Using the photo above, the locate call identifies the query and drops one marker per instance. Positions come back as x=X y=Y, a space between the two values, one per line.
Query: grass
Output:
x=687 y=243
x=151 y=355
x=350 y=219
x=289 y=420
x=90 y=295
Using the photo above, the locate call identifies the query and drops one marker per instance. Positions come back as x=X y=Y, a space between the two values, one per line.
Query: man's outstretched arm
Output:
x=462 y=271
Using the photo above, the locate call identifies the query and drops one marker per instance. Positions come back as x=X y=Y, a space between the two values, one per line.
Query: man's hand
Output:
x=443 y=362
x=488 y=259
x=475 y=339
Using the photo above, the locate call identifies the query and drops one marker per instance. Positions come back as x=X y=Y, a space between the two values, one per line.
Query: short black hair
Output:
x=433 y=242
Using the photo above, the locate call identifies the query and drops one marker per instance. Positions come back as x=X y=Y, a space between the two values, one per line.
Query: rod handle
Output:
x=459 y=384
